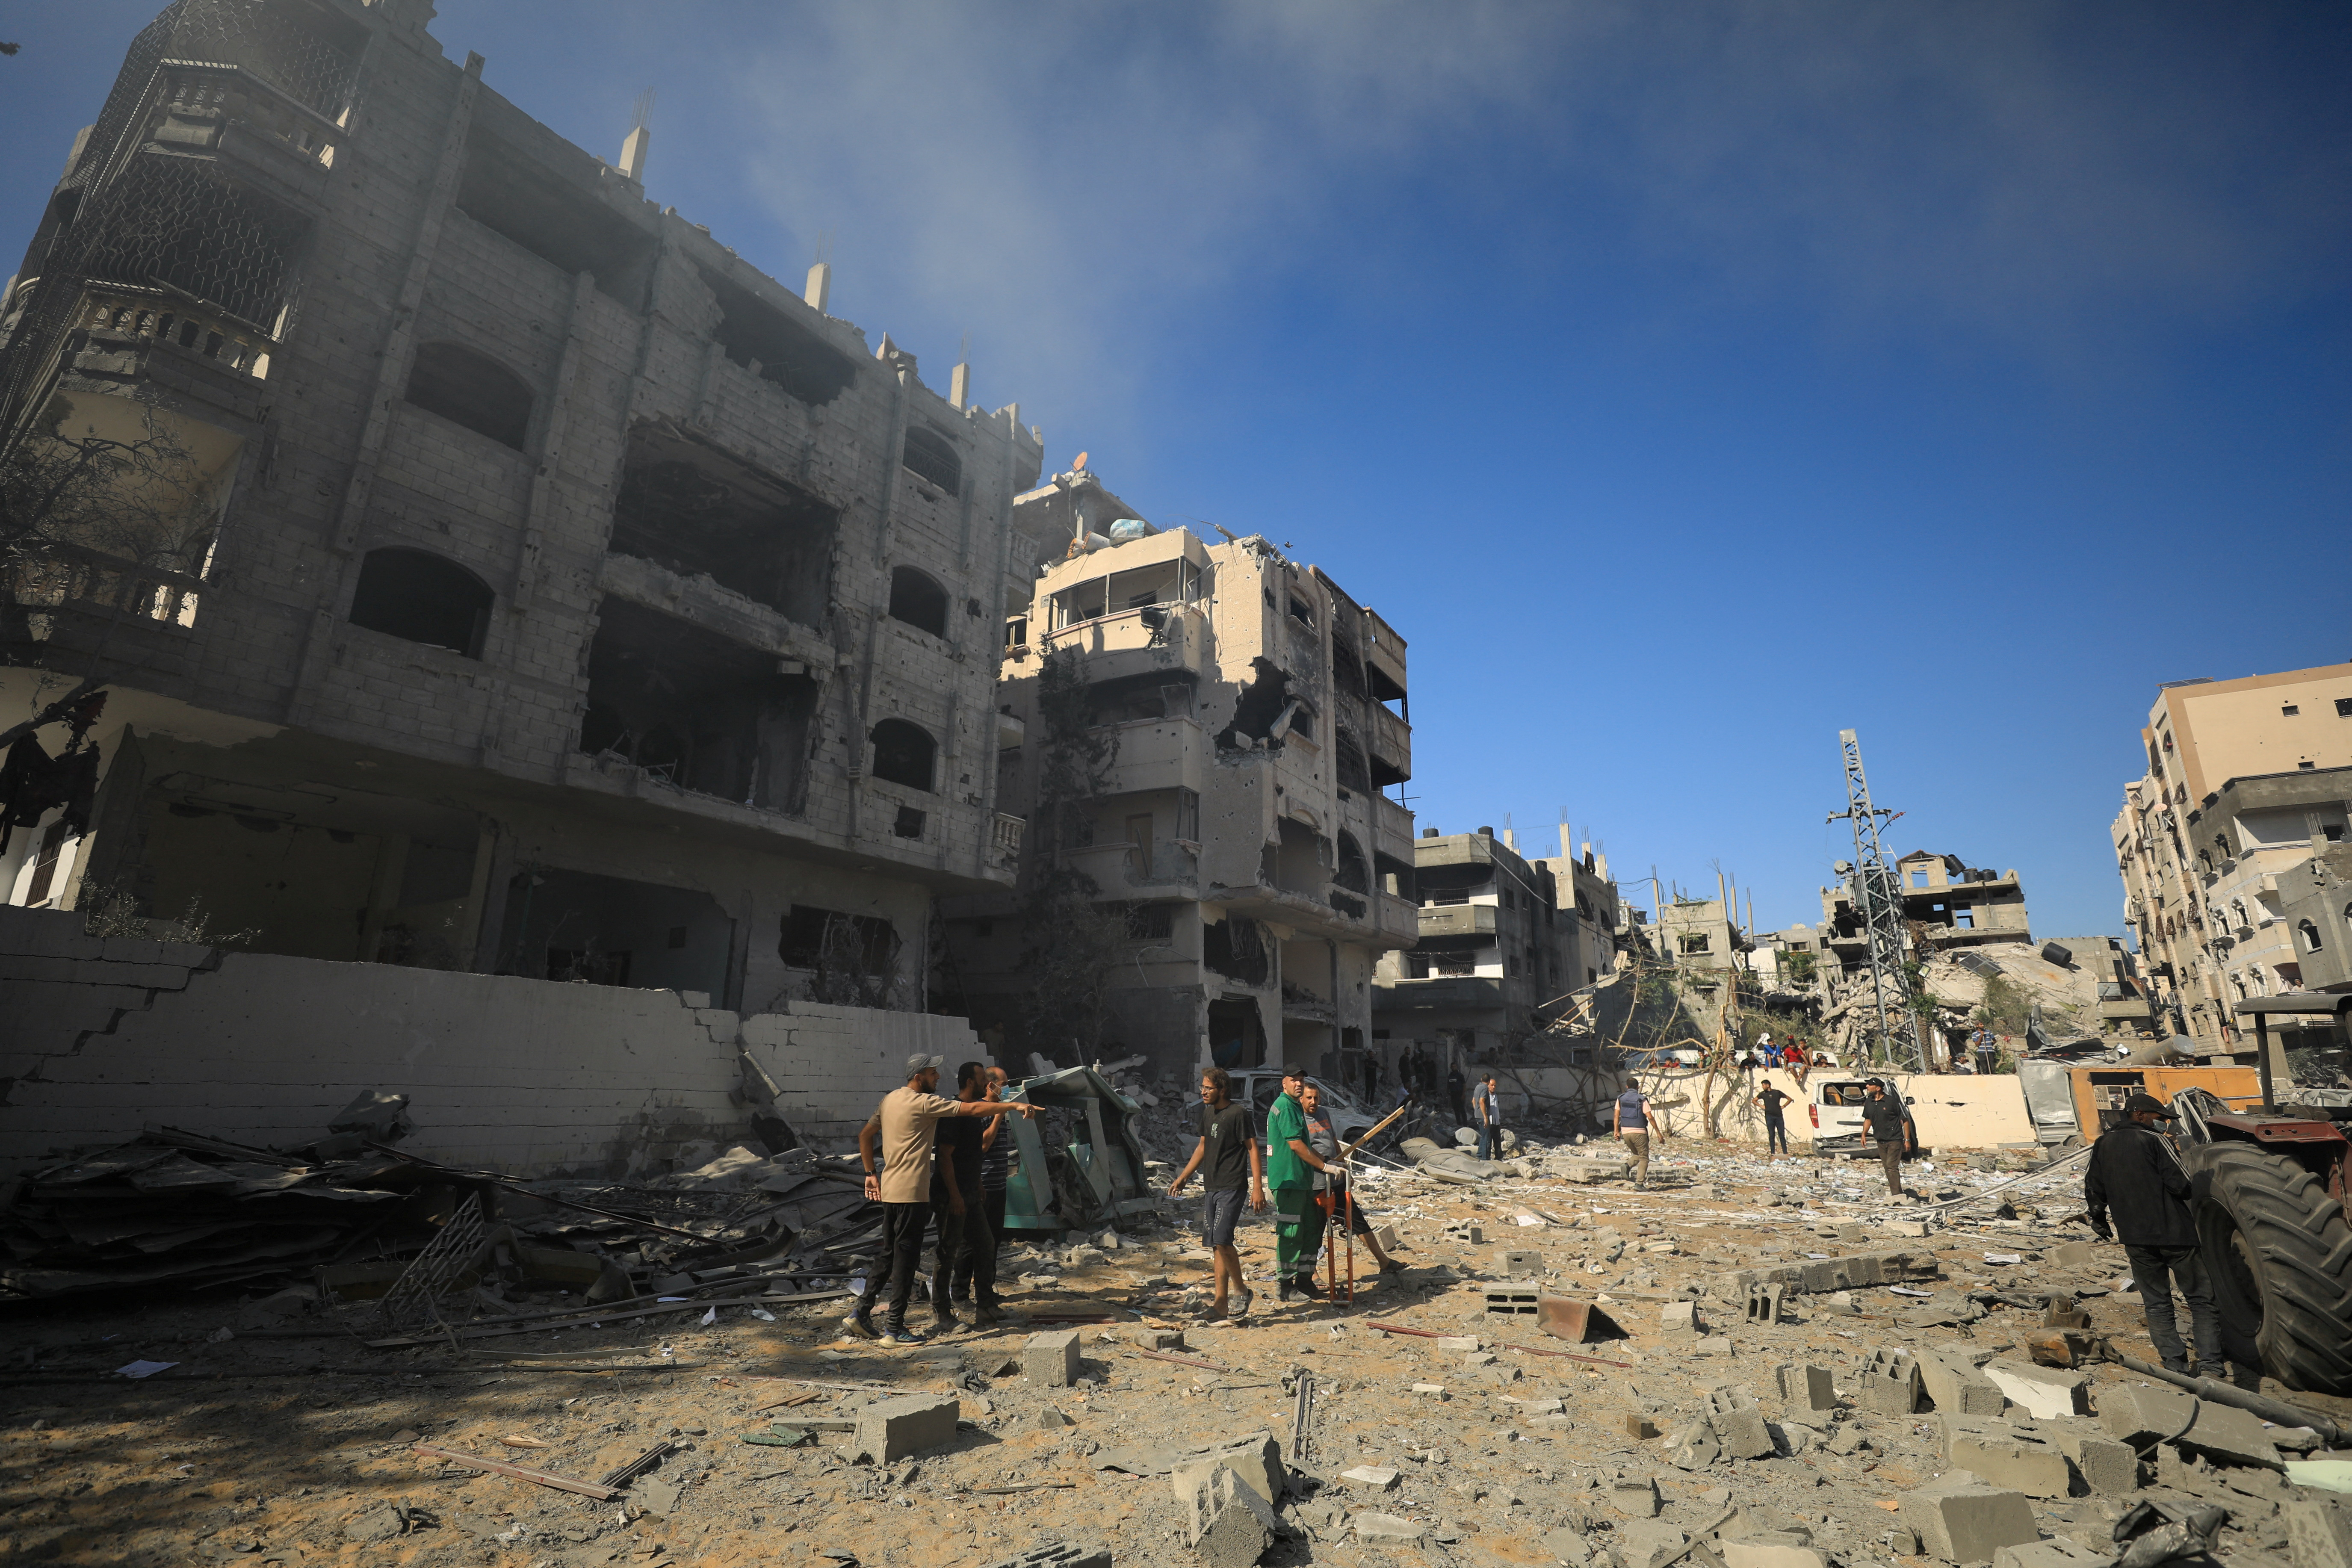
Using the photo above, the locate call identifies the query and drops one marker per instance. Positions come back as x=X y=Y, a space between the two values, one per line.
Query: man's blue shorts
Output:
x=1220 y=1211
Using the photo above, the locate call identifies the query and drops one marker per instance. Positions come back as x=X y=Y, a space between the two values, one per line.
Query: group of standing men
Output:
x=1303 y=1164
x=929 y=1157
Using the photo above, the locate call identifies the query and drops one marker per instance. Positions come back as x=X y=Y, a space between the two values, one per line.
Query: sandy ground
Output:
x=290 y=1441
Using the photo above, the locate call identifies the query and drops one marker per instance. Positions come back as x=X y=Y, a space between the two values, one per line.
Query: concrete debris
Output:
x=1809 y=1386
x=1889 y=1382
x=1385 y=1527
x=2319 y=1531
x=1957 y=1387
x=1052 y=1359
x=2042 y=1391
x=1231 y=1525
x=898 y=1428
x=2139 y=1416
x=1962 y=1520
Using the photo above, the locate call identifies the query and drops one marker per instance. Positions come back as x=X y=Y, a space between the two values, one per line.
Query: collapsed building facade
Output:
x=2248 y=784
x=507 y=577
x=1250 y=714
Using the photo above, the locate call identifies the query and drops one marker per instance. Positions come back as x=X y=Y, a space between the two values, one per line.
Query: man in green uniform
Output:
x=1290 y=1164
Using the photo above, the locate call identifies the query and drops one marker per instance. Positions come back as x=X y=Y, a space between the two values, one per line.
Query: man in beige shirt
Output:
x=906 y=1127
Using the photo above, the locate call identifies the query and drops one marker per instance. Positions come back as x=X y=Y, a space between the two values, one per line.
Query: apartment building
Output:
x=1947 y=906
x=2245 y=781
x=546 y=589
x=1592 y=916
x=1702 y=938
x=1492 y=965
x=1254 y=713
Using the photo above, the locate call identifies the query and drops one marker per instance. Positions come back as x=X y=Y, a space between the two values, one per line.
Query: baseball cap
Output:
x=920 y=1062
x=2140 y=1102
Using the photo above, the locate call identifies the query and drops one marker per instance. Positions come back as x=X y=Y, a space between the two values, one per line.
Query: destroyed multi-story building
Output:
x=1491 y=967
x=2246 y=781
x=515 y=578
x=1702 y=939
x=1248 y=715
x=1593 y=918
x=1947 y=906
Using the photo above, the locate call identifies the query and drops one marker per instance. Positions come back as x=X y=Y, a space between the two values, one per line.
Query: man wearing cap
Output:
x=1888 y=1120
x=2135 y=1174
x=909 y=1120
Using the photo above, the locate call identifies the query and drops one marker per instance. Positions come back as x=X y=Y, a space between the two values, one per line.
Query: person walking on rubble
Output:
x=909 y=1128
x=2136 y=1192
x=1289 y=1166
x=1226 y=1155
x=1331 y=1185
x=1487 y=1116
x=1631 y=1121
x=1454 y=1085
x=1776 y=1125
x=1888 y=1121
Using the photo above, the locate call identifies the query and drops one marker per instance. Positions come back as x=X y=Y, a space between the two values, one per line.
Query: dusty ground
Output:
x=297 y=1449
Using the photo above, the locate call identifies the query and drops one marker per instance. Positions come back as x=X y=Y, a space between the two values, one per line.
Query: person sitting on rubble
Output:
x=1331 y=1184
x=1226 y=1155
x=908 y=1122
x=1631 y=1120
x=2135 y=1174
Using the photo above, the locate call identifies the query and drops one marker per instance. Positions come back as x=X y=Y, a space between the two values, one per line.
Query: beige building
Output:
x=556 y=593
x=1258 y=712
x=2245 y=780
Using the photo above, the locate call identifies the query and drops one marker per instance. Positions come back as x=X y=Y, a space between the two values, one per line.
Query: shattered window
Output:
x=918 y=600
x=904 y=753
x=932 y=455
x=811 y=934
x=696 y=511
x=423 y=599
x=472 y=390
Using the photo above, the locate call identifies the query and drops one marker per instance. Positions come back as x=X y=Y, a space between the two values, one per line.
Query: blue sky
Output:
x=1686 y=382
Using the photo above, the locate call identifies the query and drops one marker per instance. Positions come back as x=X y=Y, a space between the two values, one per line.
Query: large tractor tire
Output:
x=2279 y=1254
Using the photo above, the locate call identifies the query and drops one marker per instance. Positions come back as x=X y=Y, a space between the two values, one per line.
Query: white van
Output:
x=1835 y=1106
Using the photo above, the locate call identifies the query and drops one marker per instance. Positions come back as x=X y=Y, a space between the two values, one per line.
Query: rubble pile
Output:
x=1758 y=1364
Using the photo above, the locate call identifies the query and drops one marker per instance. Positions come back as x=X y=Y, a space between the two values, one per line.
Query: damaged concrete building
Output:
x=2246 y=783
x=1591 y=917
x=541 y=589
x=1492 y=965
x=1252 y=713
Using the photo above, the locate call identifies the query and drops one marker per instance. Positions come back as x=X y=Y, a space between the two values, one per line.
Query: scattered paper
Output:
x=1907 y=1291
x=144 y=1368
x=709 y=1317
x=764 y=1315
x=2003 y=1257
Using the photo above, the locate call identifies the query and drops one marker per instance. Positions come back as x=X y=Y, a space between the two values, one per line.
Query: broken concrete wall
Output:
x=97 y=1038
x=1953 y=1111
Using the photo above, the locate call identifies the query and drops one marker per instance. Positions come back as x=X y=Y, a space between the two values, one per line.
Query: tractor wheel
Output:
x=2279 y=1254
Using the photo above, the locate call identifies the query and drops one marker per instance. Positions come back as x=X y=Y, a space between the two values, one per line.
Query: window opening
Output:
x=423 y=599
x=766 y=340
x=700 y=710
x=929 y=455
x=918 y=601
x=909 y=824
x=557 y=218
x=698 y=511
x=904 y=754
x=1237 y=948
x=852 y=959
x=1150 y=923
x=472 y=390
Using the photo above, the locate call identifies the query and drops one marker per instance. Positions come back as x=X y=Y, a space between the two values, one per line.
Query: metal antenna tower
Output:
x=1881 y=907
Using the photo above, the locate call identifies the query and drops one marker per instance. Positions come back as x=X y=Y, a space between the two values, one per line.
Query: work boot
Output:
x=2218 y=1371
x=1305 y=1285
x=986 y=1316
x=945 y=1321
x=1281 y=1289
x=2177 y=1364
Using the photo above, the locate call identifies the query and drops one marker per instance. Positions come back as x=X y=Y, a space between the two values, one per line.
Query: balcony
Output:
x=1136 y=642
x=1438 y=993
x=1161 y=754
x=1391 y=830
x=196 y=104
x=1457 y=921
x=1122 y=869
x=126 y=313
x=1396 y=918
x=1392 y=748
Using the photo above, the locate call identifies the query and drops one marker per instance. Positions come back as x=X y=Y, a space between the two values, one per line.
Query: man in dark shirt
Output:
x=1454 y=1085
x=955 y=1199
x=2134 y=1173
x=1230 y=1161
x=1776 y=1126
x=1888 y=1121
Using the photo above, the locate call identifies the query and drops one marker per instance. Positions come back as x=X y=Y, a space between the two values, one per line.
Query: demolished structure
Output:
x=1240 y=716
x=478 y=567
x=1491 y=968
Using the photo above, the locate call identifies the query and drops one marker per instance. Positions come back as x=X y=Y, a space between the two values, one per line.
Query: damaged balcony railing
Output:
x=67 y=575
x=195 y=103
x=156 y=315
x=1006 y=834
